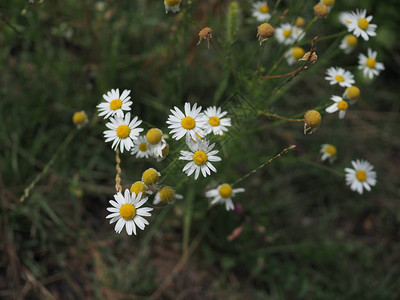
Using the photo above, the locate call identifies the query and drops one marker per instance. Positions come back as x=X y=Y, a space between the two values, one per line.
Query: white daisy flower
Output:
x=122 y=131
x=284 y=34
x=339 y=76
x=215 y=121
x=348 y=43
x=261 y=11
x=126 y=210
x=156 y=142
x=345 y=18
x=223 y=194
x=360 y=24
x=339 y=105
x=351 y=94
x=294 y=54
x=369 y=65
x=361 y=177
x=190 y=123
x=141 y=147
x=166 y=195
x=172 y=5
x=80 y=119
x=115 y=104
x=200 y=158
x=297 y=33
x=328 y=152
x=151 y=177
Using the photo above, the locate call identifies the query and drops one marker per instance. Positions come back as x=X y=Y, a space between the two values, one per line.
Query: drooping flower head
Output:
x=80 y=119
x=172 y=5
x=166 y=195
x=328 y=152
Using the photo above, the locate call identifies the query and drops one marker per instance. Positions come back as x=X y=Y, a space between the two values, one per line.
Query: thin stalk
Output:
x=260 y=112
x=187 y=221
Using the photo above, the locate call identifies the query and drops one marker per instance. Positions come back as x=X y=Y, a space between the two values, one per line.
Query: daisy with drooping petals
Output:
x=200 y=157
x=361 y=177
x=284 y=34
x=294 y=54
x=369 y=65
x=141 y=147
x=151 y=177
x=189 y=123
x=172 y=5
x=126 y=210
x=348 y=43
x=261 y=11
x=223 y=194
x=360 y=24
x=139 y=187
x=115 y=104
x=351 y=94
x=328 y=152
x=339 y=76
x=122 y=131
x=339 y=105
x=156 y=142
x=328 y=3
x=215 y=122
x=80 y=119
x=166 y=195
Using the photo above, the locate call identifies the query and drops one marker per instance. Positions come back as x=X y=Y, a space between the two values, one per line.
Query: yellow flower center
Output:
x=339 y=78
x=342 y=105
x=115 y=104
x=286 y=33
x=150 y=176
x=361 y=175
x=353 y=92
x=371 y=63
x=79 y=117
x=225 y=190
x=172 y=2
x=200 y=158
x=123 y=131
x=363 y=24
x=127 y=211
x=213 y=121
x=351 y=40
x=188 y=123
x=154 y=136
x=297 y=53
x=138 y=187
x=264 y=9
x=328 y=2
x=167 y=194
x=331 y=150
x=143 y=147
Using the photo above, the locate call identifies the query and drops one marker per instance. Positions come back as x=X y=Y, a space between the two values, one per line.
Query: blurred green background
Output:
x=305 y=234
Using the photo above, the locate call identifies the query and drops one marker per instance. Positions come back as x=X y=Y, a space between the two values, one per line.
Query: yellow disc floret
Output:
x=300 y=22
x=115 y=104
x=166 y=194
x=79 y=117
x=150 y=176
x=361 y=175
x=214 y=121
x=127 y=211
x=143 y=147
x=188 y=123
x=297 y=53
x=328 y=2
x=123 y=131
x=351 y=40
x=321 y=10
x=339 y=78
x=154 y=136
x=172 y=2
x=371 y=62
x=363 y=24
x=331 y=150
x=225 y=190
x=264 y=9
x=287 y=33
x=342 y=105
x=353 y=92
x=200 y=158
x=139 y=187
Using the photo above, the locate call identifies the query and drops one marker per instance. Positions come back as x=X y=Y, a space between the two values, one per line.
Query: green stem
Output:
x=260 y=112
x=187 y=221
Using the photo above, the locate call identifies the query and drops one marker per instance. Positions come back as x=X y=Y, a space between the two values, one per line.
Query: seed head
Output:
x=264 y=32
x=205 y=34
x=312 y=121
x=300 y=22
x=321 y=11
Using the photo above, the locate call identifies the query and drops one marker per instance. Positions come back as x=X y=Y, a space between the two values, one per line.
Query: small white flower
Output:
x=166 y=195
x=360 y=24
x=141 y=147
x=200 y=158
x=223 y=194
x=215 y=122
x=80 y=119
x=122 y=131
x=369 y=65
x=190 y=123
x=172 y=5
x=328 y=152
x=115 y=104
x=297 y=33
x=284 y=34
x=339 y=76
x=261 y=11
x=345 y=18
x=361 y=177
x=339 y=105
x=126 y=211
x=294 y=54
x=348 y=43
